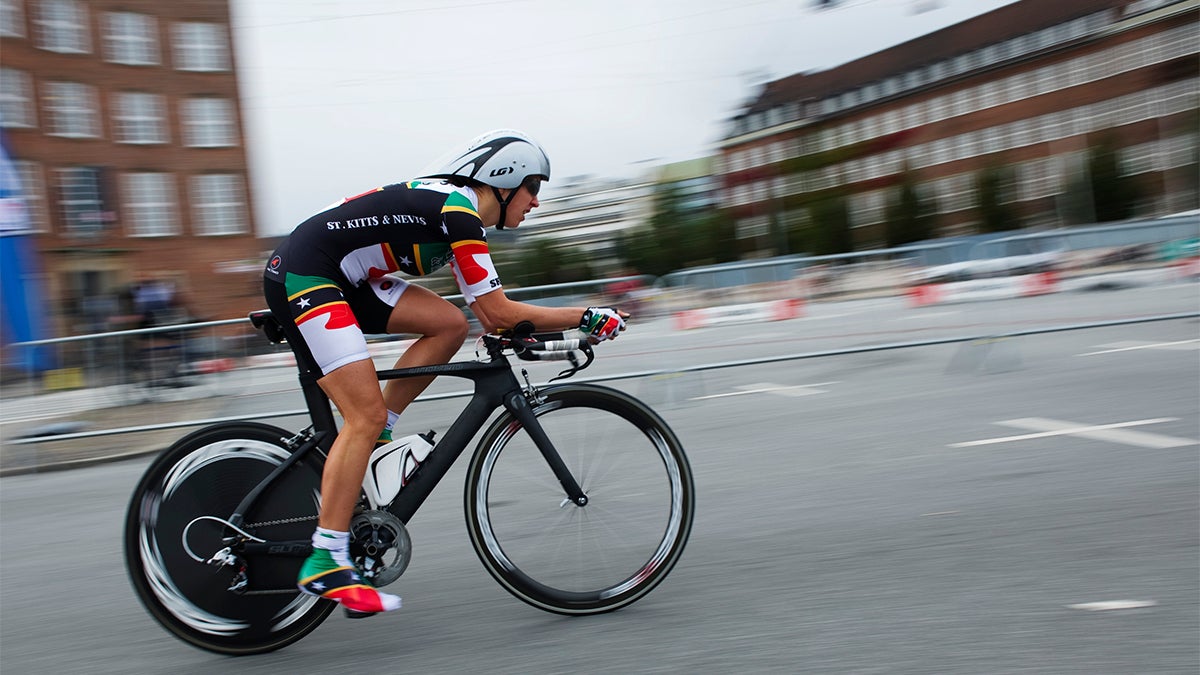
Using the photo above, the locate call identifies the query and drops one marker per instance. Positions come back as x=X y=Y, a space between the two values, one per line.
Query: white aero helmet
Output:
x=503 y=158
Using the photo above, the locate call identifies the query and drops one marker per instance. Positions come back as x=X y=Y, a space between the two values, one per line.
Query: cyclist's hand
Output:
x=602 y=323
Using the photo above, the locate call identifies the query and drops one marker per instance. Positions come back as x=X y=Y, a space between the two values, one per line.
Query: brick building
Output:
x=123 y=120
x=1029 y=86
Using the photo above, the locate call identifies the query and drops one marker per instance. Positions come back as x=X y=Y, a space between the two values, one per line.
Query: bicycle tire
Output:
x=202 y=477
x=574 y=560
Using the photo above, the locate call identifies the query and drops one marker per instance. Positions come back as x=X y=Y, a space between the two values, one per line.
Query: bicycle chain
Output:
x=284 y=521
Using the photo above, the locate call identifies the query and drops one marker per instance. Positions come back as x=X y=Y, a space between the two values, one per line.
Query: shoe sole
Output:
x=350 y=613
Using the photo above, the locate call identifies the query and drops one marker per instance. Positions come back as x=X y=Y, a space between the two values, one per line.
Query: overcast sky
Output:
x=340 y=97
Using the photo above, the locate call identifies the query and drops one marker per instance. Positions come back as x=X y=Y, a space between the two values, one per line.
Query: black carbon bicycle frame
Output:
x=495 y=386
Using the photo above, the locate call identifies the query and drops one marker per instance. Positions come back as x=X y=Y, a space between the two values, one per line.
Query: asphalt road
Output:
x=945 y=509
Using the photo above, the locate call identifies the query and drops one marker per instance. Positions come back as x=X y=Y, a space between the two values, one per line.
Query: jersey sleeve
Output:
x=471 y=261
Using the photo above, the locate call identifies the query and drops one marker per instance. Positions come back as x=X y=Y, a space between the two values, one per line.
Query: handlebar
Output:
x=520 y=340
x=553 y=346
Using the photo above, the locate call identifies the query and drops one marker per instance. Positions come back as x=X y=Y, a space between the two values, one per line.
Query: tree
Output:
x=1115 y=195
x=997 y=213
x=910 y=218
x=640 y=249
x=829 y=231
x=1100 y=193
x=676 y=237
x=544 y=263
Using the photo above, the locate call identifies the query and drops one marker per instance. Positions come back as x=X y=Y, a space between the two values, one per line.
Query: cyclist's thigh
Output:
x=319 y=323
x=390 y=304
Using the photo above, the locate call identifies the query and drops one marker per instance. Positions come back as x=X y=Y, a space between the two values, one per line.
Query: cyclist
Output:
x=331 y=281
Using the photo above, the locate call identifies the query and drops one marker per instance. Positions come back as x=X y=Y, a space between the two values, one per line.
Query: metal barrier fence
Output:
x=983 y=339
x=150 y=364
x=1069 y=252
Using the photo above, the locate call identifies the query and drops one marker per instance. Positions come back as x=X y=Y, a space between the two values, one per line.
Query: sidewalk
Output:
x=27 y=412
x=92 y=410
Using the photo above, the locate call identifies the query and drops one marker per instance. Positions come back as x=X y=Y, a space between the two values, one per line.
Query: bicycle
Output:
x=579 y=500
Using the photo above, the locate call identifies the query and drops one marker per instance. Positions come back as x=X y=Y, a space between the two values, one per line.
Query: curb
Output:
x=66 y=465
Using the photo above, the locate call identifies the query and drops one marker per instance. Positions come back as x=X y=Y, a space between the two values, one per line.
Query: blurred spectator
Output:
x=157 y=302
x=627 y=294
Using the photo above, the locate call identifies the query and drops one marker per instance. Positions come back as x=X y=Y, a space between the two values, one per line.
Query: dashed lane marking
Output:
x=769 y=388
x=1113 y=433
x=923 y=315
x=1107 y=605
x=1130 y=346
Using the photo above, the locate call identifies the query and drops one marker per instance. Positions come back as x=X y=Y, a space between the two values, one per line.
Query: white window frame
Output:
x=867 y=208
x=80 y=201
x=62 y=26
x=131 y=39
x=150 y=205
x=16 y=99
x=12 y=18
x=209 y=123
x=218 y=204
x=200 y=46
x=70 y=110
x=33 y=194
x=139 y=118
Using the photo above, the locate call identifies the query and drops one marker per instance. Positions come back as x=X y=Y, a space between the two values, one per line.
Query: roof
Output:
x=1007 y=22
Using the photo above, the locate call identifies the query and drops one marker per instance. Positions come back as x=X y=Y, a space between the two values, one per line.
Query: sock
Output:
x=385 y=436
x=329 y=573
x=337 y=543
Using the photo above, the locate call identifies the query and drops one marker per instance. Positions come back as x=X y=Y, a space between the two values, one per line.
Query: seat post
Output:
x=319 y=407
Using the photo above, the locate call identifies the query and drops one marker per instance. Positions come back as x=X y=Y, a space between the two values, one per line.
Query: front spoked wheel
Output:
x=575 y=560
x=177 y=534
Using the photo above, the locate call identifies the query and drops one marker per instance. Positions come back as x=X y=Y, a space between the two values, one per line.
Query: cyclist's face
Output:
x=524 y=201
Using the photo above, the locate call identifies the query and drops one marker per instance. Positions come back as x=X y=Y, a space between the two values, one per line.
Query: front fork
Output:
x=518 y=405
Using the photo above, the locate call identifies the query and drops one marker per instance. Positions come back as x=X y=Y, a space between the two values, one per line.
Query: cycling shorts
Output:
x=326 y=323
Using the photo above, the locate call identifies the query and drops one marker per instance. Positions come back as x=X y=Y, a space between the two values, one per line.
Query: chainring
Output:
x=379 y=546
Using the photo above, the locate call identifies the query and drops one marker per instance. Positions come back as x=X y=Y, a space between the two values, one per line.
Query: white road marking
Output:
x=923 y=315
x=1130 y=346
x=769 y=388
x=831 y=316
x=1113 y=604
x=1100 y=432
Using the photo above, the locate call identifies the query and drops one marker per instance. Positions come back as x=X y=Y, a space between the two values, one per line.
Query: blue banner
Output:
x=22 y=314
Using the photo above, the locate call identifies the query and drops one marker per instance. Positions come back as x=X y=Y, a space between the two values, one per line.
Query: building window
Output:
x=960 y=102
x=16 y=99
x=749 y=228
x=867 y=208
x=209 y=123
x=200 y=46
x=71 y=110
x=1140 y=159
x=954 y=193
x=131 y=39
x=79 y=201
x=150 y=204
x=139 y=118
x=219 y=204
x=33 y=194
x=12 y=19
x=62 y=26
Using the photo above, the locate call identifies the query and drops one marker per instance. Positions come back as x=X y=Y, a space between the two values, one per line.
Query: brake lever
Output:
x=575 y=365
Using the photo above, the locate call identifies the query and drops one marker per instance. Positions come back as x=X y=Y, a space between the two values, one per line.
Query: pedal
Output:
x=355 y=614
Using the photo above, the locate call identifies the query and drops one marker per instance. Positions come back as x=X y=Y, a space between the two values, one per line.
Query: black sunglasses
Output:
x=533 y=184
